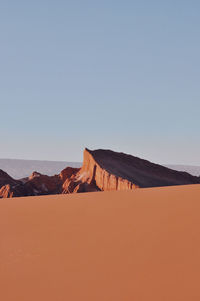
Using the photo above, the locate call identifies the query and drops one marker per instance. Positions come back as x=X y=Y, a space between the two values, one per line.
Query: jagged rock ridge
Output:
x=36 y=184
x=101 y=170
x=108 y=170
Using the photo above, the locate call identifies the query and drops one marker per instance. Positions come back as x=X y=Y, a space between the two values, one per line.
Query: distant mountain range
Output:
x=23 y=168
x=101 y=170
x=193 y=170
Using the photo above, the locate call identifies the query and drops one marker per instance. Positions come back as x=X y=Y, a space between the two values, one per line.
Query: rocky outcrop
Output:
x=94 y=177
x=7 y=184
x=99 y=173
x=107 y=170
x=5 y=191
x=6 y=179
x=101 y=170
x=36 y=184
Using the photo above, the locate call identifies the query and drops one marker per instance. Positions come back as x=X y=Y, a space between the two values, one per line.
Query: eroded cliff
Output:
x=107 y=170
x=102 y=170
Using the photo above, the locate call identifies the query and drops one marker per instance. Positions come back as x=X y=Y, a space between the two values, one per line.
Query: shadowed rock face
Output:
x=36 y=184
x=102 y=170
x=96 y=171
x=193 y=170
x=109 y=170
x=6 y=179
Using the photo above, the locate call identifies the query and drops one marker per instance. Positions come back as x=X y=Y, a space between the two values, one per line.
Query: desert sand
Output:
x=138 y=245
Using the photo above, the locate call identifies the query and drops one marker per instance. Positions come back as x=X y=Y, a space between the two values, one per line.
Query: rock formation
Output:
x=36 y=184
x=6 y=179
x=108 y=170
x=101 y=170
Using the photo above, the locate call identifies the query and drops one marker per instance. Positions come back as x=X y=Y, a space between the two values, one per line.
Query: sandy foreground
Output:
x=104 y=246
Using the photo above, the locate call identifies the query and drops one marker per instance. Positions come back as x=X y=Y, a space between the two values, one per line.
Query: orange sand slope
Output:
x=107 y=246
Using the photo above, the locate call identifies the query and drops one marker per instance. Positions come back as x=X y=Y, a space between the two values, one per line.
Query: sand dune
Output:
x=105 y=246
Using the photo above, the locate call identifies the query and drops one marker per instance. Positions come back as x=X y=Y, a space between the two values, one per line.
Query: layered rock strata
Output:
x=102 y=170
x=108 y=170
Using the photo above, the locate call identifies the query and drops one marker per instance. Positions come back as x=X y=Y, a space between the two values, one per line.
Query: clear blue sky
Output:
x=123 y=75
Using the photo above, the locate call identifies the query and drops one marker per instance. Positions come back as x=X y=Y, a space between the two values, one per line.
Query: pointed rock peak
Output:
x=6 y=179
x=34 y=174
x=3 y=173
x=68 y=172
x=87 y=150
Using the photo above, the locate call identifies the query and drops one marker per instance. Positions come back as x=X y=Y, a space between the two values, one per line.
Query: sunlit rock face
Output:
x=107 y=170
x=96 y=170
x=102 y=170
